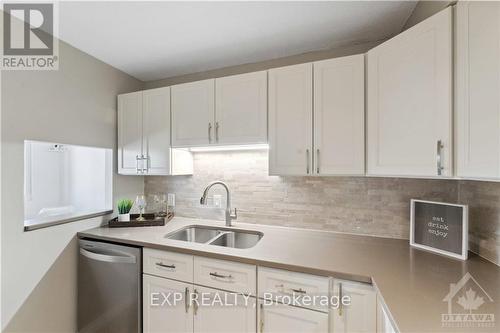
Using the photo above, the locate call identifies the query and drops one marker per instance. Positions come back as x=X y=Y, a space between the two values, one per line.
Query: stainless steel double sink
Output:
x=227 y=237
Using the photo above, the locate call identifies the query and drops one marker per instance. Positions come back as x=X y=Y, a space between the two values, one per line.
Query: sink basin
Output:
x=195 y=234
x=239 y=240
x=226 y=237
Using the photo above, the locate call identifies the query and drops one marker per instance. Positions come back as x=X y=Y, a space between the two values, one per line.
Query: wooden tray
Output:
x=150 y=221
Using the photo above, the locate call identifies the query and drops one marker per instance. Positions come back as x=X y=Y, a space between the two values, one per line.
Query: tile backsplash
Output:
x=362 y=205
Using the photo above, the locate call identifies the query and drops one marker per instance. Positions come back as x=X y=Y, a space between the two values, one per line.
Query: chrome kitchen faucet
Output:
x=229 y=215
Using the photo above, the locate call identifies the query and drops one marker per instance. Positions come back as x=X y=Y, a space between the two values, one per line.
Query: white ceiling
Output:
x=154 y=40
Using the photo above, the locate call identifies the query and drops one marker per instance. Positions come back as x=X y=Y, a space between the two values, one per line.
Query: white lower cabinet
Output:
x=227 y=301
x=384 y=323
x=360 y=314
x=165 y=318
x=276 y=318
x=221 y=311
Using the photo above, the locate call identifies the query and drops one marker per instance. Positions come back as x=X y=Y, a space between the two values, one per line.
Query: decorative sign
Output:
x=439 y=227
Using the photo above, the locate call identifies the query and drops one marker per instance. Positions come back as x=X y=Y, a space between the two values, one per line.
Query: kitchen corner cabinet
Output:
x=360 y=316
x=409 y=106
x=477 y=76
x=144 y=135
x=384 y=323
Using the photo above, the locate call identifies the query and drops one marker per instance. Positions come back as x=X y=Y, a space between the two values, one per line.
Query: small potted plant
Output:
x=124 y=207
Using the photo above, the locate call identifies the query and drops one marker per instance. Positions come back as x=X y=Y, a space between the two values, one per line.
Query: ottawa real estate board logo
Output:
x=469 y=305
x=28 y=36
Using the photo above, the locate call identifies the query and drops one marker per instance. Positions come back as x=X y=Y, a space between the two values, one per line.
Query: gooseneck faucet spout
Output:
x=229 y=215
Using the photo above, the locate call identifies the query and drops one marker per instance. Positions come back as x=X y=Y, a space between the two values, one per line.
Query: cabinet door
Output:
x=360 y=314
x=241 y=109
x=129 y=133
x=478 y=87
x=290 y=120
x=223 y=311
x=384 y=323
x=339 y=114
x=409 y=101
x=193 y=114
x=156 y=128
x=165 y=318
x=280 y=318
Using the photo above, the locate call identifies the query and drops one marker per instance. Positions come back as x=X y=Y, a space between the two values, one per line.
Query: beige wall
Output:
x=253 y=67
x=424 y=9
x=74 y=105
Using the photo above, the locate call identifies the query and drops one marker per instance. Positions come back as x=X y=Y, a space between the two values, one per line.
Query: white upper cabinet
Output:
x=241 y=109
x=339 y=114
x=193 y=114
x=144 y=136
x=129 y=133
x=290 y=120
x=409 y=115
x=477 y=89
x=156 y=127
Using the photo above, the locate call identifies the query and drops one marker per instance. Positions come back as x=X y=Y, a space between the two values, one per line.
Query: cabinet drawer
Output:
x=168 y=264
x=279 y=283
x=225 y=275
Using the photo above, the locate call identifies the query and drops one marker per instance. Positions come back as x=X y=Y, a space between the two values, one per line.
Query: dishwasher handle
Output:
x=119 y=257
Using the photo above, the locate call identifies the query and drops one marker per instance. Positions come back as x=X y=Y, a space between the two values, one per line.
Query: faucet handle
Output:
x=234 y=215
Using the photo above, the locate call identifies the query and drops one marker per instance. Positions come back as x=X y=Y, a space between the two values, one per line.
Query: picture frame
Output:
x=440 y=227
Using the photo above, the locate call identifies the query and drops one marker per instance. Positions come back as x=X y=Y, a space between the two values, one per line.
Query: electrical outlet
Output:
x=217 y=200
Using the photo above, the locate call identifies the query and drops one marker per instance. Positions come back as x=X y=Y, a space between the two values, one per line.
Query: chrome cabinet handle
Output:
x=195 y=303
x=299 y=291
x=119 y=257
x=341 y=306
x=145 y=158
x=209 y=132
x=186 y=297
x=307 y=157
x=165 y=266
x=261 y=323
x=220 y=276
x=317 y=161
x=217 y=131
x=439 y=158
x=137 y=163
x=293 y=291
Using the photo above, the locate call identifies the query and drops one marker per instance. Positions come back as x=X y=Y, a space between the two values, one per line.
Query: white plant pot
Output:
x=124 y=217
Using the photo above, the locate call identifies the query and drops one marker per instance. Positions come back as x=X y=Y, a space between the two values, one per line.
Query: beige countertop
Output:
x=412 y=283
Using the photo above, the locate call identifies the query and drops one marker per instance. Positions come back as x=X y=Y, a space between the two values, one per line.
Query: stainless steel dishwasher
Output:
x=109 y=288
